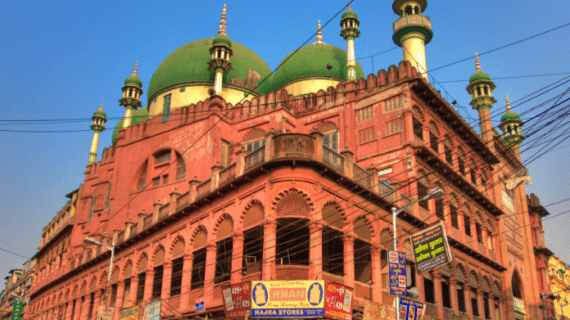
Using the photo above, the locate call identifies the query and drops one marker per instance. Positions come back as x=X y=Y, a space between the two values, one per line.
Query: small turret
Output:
x=349 y=24
x=511 y=125
x=481 y=90
x=132 y=92
x=220 y=52
x=99 y=118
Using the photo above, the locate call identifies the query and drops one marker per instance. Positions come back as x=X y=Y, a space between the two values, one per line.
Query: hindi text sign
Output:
x=129 y=314
x=377 y=311
x=199 y=305
x=397 y=273
x=411 y=309
x=17 y=310
x=431 y=248
x=236 y=300
x=152 y=310
x=106 y=313
x=338 y=301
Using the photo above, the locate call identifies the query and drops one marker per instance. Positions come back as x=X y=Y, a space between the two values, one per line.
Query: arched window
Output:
x=141 y=274
x=453 y=205
x=448 y=149
x=253 y=238
x=333 y=240
x=467 y=220
x=224 y=250
x=330 y=132
x=474 y=281
x=408 y=10
x=461 y=160
x=433 y=136
x=166 y=108
x=460 y=274
x=177 y=267
x=417 y=119
x=362 y=253
x=422 y=186
x=516 y=285
x=199 y=262
x=253 y=140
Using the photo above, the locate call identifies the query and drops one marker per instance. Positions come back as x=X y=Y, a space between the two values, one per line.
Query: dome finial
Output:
x=349 y=9
x=222 y=29
x=101 y=106
x=319 y=33
x=508 y=103
x=477 y=63
x=136 y=68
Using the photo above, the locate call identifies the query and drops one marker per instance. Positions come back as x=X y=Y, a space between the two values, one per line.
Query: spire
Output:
x=508 y=103
x=319 y=33
x=349 y=9
x=222 y=29
x=101 y=106
x=136 y=68
x=477 y=64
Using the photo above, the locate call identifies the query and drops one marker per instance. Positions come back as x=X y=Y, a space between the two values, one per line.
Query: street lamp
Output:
x=550 y=296
x=92 y=240
x=436 y=193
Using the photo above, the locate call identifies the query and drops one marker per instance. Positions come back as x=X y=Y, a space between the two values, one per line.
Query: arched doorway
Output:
x=518 y=300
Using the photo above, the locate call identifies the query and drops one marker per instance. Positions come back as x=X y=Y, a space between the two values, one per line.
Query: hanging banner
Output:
x=338 y=301
x=152 y=310
x=397 y=273
x=236 y=300
x=106 y=313
x=431 y=248
x=411 y=310
x=129 y=314
x=287 y=299
x=377 y=311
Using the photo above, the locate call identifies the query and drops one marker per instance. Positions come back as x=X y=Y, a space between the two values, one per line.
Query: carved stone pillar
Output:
x=438 y=293
x=210 y=273
x=491 y=303
x=480 y=304
x=468 y=306
x=186 y=280
x=462 y=225
x=453 y=295
x=316 y=250
x=166 y=279
x=474 y=233
x=237 y=259
x=349 y=260
x=133 y=291
x=148 y=282
x=375 y=252
x=119 y=300
x=408 y=125
x=96 y=303
x=269 y=249
x=503 y=308
x=485 y=241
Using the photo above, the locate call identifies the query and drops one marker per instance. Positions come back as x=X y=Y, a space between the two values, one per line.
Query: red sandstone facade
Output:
x=285 y=188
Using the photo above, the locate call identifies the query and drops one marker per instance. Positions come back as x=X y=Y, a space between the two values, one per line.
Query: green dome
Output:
x=349 y=14
x=398 y=4
x=480 y=75
x=100 y=113
x=222 y=39
x=134 y=79
x=509 y=116
x=311 y=61
x=189 y=63
x=139 y=116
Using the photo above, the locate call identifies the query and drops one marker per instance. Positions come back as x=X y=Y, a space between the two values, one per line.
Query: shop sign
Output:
x=287 y=299
x=397 y=273
x=411 y=310
x=377 y=311
x=431 y=248
x=106 y=313
x=17 y=310
x=199 y=304
x=236 y=300
x=129 y=314
x=385 y=171
x=338 y=301
x=152 y=310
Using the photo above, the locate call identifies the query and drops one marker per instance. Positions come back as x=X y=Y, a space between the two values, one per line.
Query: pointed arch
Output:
x=325 y=126
x=516 y=285
x=253 y=134
x=224 y=226
x=333 y=215
x=486 y=284
x=177 y=246
x=474 y=279
x=387 y=238
x=103 y=278
x=158 y=255
x=74 y=291
x=142 y=263
x=292 y=202
x=434 y=128
x=127 y=269
x=253 y=213
x=199 y=237
x=93 y=283
x=363 y=229
x=115 y=275
x=460 y=273
x=497 y=289
x=418 y=113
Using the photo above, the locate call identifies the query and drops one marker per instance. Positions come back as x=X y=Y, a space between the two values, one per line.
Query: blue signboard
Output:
x=397 y=273
x=410 y=309
x=199 y=304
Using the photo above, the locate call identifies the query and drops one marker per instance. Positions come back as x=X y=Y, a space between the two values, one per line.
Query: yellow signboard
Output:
x=287 y=299
x=129 y=314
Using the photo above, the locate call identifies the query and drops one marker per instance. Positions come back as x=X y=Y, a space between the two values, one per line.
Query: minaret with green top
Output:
x=99 y=118
x=220 y=53
x=481 y=90
x=511 y=125
x=349 y=23
x=412 y=32
x=132 y=92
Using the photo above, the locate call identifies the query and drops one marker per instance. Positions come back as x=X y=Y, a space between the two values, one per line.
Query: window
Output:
x=473 y=176
x=254 y=145
x=108 y=200
x=91 y=208
x=394 y=126
x=445 y=292
x=165 y=179
x=439 y=213
x=479 y=232
x=180 y=169
x=366 y=135
x=486 y=305
x=73 y=309
x=467 y=223
x=330 y=140
x=293 y=242
x=176 y=278
x=91 y=300
x=433 y=142
x=461 y=297
x=252 y=250
x=166 y=108
x=417 y=127
x=362 y=261
x=453 y=214
x=422 y=192
x=333 y=251
x=140 y=287
x=162 y=157
x=156 y=182
x=483 y=185
x=223 y=260
x=429 y=290
x=126 y=292
x=365 y=114
x=142 y=180
x=474 y=307
x=225 y=154
x=157 y=282
x=198 y=269
x=113 y=295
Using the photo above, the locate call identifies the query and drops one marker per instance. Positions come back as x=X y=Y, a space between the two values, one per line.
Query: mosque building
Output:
x=231 y=173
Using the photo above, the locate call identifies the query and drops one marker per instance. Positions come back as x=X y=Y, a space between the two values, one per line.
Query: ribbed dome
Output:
x=189 y=63
x=311 y=61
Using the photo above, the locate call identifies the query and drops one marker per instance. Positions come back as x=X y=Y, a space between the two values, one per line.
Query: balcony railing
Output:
x=163 y=212
x=333 y=159
x=203 y=188
x=254 y=158
x=228 y=174
x=361 y=176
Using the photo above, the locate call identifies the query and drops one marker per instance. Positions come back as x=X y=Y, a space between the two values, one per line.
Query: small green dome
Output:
x=139 y=116
x=349 y=14
x=480 y=75
x=100 y=113
x=222 y=39
x=510 y=116
x=134 y=79
x=311 y=61
x=398 y=4
x=189 y=63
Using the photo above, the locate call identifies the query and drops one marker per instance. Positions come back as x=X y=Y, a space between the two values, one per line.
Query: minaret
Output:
x=412 y=32
x=511 y=125
x=481 y=90
x=220 y=52
x=349 y=24
x=99 y=118
x=132 y=92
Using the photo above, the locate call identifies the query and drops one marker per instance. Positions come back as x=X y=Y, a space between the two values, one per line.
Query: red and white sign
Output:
x=236 y=300
x=338 y=303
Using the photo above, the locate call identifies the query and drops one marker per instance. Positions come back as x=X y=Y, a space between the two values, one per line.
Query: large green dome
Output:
x=311 y=61
x=189 y=63
x=509 y=115
x=479 y=75
x=139 y=116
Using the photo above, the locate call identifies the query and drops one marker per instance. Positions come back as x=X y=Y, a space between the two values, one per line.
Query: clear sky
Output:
x=60 y=59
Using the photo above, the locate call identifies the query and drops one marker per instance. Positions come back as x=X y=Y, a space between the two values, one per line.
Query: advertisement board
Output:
x=129 y=314
x=411 y=310
x=287 y=299
x=236 y=300
x=397 y=273
x=199 y=304
x=338 y=301
x=377 y=311
x=105 y=313
x=17 y=310
x=152 y=310
x=431 y=248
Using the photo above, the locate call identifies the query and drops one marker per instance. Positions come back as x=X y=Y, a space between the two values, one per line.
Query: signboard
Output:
x=17 y=310
x=236 y=300
x=411 y=310
x=377 y=311
x=397 y=273
x=199 y=304
x=385 y=171
x=431 y=248
x=105 y=313
x=129 y=314
x=152 y=310
x=338 y=301
x=287 y=299
x=508 y=201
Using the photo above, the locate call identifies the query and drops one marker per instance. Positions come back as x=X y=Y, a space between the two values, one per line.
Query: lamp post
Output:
x=434 y=193
x=550 y=296
x=92 y=240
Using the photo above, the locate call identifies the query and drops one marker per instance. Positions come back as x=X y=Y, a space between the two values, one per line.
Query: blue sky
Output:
x=60 y=59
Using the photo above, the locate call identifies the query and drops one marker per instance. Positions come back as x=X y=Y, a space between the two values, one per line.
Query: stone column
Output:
x=491 y=303
x=453 y=294
x=474 y=234
x=468 y=306
x=349 y=260
x=447 y=217
x=438 y=293
x=485 y=239
x=96 y=303
x=68 y=310
x=186 y=280
x=375 y=251
x=441 y=149
x=84 y=307
x=166 y=279
x=133 y=291
x=148 y=282
x=408 y=125
x=119 y=299
x=316 y=250
x=461 y=224
x=480 y=303
x=237 y=257
x=503 y=308
x=210 y=273
x=425 y=135
x=269 y=245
